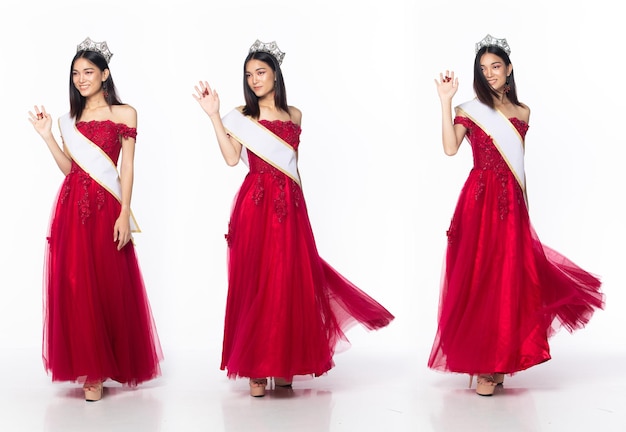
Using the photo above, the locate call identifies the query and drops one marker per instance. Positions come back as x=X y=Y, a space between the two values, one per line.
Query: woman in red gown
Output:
x=97 y=324
x=504 y=293
x=287 y=308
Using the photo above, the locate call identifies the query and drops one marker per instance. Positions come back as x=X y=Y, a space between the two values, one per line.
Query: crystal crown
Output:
x=492 y=41
x=99 y=47
x=270 y=48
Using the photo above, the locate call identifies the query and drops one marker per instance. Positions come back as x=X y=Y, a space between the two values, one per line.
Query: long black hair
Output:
x=77 y=101
x=484 y=92
x=280 y=93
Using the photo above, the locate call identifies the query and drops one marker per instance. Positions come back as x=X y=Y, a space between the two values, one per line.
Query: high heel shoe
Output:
x=498 y=378
x=257 y=387
x=485 y=384
x=93 y=391
x=281 y=382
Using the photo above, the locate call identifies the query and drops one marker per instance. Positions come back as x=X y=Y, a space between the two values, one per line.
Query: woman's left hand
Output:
x=121 y=230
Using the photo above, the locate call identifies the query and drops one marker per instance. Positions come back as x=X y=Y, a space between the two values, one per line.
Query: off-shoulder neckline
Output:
x=280 y=121
x=518 y=119
x=104 y=121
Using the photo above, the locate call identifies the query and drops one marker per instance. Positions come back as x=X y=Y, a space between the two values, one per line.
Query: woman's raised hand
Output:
x=447 y=85
x=208 y=99
x=41 y=120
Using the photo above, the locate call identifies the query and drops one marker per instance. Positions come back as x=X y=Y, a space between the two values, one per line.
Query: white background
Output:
x=379 y=188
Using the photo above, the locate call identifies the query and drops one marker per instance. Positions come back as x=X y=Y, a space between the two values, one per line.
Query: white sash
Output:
x=505 y=137
x=262 y=142
x=93 y=160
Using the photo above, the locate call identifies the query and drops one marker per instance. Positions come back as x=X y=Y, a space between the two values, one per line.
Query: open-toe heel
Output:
x=93 y=391
x=485 y=385
x=282 y=382
x=257 y=387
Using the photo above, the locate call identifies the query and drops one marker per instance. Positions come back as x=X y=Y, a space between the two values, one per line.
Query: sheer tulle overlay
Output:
x=97 y=319
x=503 y=292
x=287 y=309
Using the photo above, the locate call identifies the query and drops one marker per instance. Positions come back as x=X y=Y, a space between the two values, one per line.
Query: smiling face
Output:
x=260 y=78
x=495 y=70
x=87 y=77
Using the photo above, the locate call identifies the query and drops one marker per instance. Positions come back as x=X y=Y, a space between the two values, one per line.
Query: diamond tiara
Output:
x=99 y=47
x=491 y=41
x=270 y=48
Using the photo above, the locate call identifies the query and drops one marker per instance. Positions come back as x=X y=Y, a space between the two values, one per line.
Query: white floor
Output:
x=366 y=391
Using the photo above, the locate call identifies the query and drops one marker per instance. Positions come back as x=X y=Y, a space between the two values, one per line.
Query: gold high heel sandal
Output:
x=485 y=384
x=257 y=387
x=281 y=382
x=93 y=391
x=498 y=378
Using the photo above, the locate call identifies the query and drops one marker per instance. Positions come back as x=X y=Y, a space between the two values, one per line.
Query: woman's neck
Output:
x=501 y=100
x=95 y=102
x=268 y=102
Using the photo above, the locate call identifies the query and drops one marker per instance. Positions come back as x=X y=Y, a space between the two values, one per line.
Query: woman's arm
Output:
x=121 y=230
x=451 y=134
x=210 y=103
x=42 y=122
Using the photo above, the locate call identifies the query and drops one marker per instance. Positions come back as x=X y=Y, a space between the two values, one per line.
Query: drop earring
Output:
x=507 y=87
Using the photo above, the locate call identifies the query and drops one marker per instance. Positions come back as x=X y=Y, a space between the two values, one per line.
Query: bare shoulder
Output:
x=295 y=114
x=524 y=112
x=240 y=108
x=125 y=114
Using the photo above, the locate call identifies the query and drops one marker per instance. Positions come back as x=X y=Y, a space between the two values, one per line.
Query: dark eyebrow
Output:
x=257 y=69
x=491 y=64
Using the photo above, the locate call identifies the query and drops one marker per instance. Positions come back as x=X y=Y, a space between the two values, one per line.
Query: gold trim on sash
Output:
x=263 y=143
x=506 y=138
x=93 y=160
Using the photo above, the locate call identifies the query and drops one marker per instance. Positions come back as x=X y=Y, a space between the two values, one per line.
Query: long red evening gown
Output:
x=286 y=308
x=97 y=324
x=503 y=292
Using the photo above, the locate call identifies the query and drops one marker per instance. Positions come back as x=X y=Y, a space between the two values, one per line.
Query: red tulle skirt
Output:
x=287 y=309
x=503 y=292
x=97 y=319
